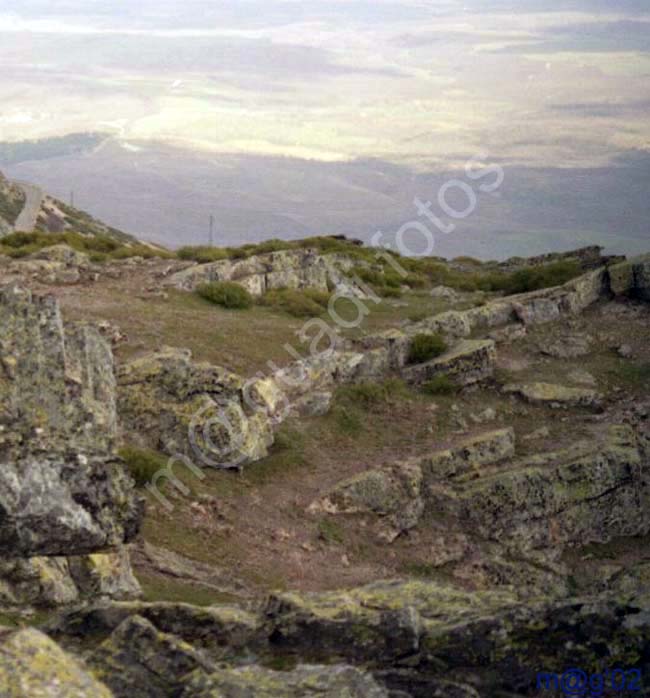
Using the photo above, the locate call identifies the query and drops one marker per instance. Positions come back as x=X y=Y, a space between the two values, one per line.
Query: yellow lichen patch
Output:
x=33 y=665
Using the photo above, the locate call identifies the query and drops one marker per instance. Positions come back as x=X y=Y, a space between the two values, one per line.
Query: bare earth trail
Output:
x=26 y=221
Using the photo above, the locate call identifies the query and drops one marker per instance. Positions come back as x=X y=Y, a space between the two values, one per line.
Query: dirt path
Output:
x=26 y=221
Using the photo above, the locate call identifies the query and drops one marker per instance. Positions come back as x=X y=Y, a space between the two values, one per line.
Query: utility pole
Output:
x=211 y=231
x=72 y=198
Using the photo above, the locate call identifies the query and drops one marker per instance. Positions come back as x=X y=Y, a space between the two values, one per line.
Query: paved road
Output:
x=26 y=221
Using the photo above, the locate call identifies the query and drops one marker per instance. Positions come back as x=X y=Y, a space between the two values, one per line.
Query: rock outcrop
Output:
x=54 y=581
x=301 y=268
x=470 y=361
x=555 y=395
x=170 y=403
x=12 y=200
x=397 y=493
x=632 y=278
x=400 y=638
x=63 y=491
x=33 y=665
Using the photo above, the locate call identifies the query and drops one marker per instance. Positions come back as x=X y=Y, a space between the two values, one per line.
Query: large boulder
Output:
x=172 y=404
x=62 y=489
x=53 y=581
x=391 y=493
x=33 y=665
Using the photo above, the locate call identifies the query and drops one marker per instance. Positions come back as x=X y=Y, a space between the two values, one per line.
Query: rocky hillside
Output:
x=12 y=200
x=49 y=215
x=309 y=470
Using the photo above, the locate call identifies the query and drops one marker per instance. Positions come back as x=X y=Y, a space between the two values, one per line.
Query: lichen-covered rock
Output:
x=62 y=489
x=170 y=403
x=592 y=492
x=470 y=454
x=62 y=253
x=51 y=504
x=140 y=661
x=32 y=665
x=57 y=384
x=397 y=493
x=55 y=581
x=631 y=278
x=104 y=575
x=221 y=631
x=451 y=323
x=552 y=394
x=36 y=581
x=391 y=492
x=379 y=623
x=307 y=681
x=301 y=268
x=470 y=361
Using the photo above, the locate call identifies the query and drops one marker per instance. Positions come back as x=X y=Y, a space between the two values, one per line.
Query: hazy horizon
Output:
x=543 y=88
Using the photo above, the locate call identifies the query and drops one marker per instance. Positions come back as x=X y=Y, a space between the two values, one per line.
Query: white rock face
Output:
x=304 y=268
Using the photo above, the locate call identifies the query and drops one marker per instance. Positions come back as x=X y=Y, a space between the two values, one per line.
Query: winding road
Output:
x=26 y=221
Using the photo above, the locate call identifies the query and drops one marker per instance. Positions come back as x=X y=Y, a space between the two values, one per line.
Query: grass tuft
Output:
x=142 y=463
x=425 y=347
x=440 y=385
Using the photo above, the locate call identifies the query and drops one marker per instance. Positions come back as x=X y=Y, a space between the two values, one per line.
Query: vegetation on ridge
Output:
x=101 y=248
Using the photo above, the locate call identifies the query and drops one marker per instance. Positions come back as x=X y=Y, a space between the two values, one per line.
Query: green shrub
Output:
x=239 y=252
x=22 y=244
x=226 y=294
x=142 y=463
x=298 y=303
x=330 y=531
x=468 y=261
x=425 y=347
x=631 y=373
x=535 y=278
x=26 y=250
x=202 y=254
x=369 y=394
x=419 y=315
x=440 y=385
x=348 y=420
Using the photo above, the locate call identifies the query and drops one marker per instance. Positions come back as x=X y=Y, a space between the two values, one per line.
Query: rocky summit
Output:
x=315 y=469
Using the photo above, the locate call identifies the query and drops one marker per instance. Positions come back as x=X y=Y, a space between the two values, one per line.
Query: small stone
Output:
x=489 y=414
x=625 y=351
x=541 y=433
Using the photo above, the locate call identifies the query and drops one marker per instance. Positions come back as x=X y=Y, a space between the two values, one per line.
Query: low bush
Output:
x=142 y=463
x=440 y=385
x=298 y=303
x=348 y=420
x=369 y=394
x=330 y=531
x=425 y=347
x=227 y=294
